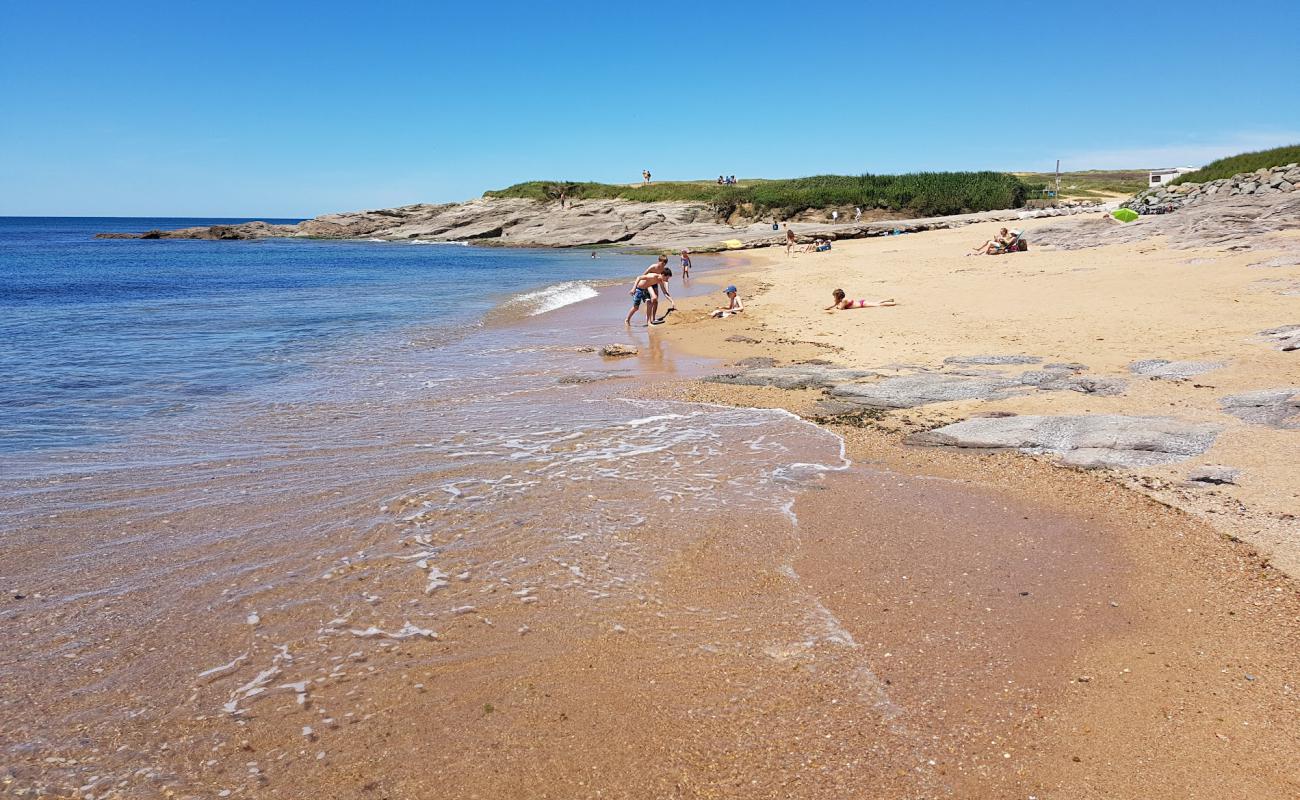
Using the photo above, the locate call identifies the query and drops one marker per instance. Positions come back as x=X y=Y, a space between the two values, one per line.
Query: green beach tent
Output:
x=1124 y=214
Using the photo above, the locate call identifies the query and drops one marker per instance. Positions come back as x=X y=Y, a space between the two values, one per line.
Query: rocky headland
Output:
x=513 y=222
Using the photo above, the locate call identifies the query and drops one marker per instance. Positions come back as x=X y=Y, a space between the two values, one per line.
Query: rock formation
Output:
x=1103 y=440
x=580 y=223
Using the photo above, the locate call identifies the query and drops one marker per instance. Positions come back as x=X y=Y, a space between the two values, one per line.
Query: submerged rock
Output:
x=1276 y=408
x=1105 y=440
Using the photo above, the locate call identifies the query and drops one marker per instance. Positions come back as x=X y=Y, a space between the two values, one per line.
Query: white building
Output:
x=1159 y=177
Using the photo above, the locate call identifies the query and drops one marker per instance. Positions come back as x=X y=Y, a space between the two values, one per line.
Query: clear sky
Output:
x=295 y=108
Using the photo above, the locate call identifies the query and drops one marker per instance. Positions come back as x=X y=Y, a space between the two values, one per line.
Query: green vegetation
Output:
x=1245 y=162
x=1090 y=184
x=922 y=194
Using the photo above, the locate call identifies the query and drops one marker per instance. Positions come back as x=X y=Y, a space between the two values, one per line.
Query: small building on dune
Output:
x=1159 y=177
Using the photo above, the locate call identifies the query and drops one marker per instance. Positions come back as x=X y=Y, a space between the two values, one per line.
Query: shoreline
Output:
x=917 y=624
x=1203 y=597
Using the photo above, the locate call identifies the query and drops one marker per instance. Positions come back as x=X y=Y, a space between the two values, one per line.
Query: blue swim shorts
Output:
x=640 y=296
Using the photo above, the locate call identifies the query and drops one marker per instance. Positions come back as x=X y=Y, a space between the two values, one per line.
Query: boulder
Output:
x=1107 y=440
x=1276 y=408
x=618 y=350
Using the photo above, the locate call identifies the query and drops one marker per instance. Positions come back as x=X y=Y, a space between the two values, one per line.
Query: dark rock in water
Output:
x=589 y=377
x=1276 y=408
x=618 y=350
x=804 y=376
x=909 y=391
x=1286 y=337
x=991 y=359
x=1214 y=474
x=1106 y=440
x=1173 y=370
x=754 y=362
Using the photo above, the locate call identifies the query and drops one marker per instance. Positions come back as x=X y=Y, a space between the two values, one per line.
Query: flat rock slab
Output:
x=1276 y=408
x=757 y=362
x=909 y=391
x=1173 y=370
x=1056 y=380
x=1214 y=474
x=1104 y=440
x=801 y=376
x=992 y=359
x=1287 y=337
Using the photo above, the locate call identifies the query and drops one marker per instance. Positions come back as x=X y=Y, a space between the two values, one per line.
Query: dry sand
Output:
x=1104 y=307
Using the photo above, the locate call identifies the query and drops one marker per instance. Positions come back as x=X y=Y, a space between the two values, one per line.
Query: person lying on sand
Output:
x=641 y=293
x=841 y=304
x=733 y=306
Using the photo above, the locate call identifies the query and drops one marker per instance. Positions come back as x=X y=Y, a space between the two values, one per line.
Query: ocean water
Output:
x=229 y=467
x=99 y=334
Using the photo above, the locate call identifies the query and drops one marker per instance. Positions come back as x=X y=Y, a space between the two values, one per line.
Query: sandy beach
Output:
x=1102 y=308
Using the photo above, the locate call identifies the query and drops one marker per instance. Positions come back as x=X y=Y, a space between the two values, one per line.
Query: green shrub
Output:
x=922 y=193
x=1244 y=162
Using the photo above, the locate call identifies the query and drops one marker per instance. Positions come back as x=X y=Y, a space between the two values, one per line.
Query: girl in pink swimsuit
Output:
x=841 y=304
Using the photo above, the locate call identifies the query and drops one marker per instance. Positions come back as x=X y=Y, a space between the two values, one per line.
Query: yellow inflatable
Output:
x=733 y=244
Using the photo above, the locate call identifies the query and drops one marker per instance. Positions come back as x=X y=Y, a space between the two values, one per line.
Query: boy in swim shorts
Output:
x=643 y=292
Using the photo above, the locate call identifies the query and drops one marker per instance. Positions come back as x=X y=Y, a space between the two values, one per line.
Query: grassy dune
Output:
x=923 y=193
x=1243 y=162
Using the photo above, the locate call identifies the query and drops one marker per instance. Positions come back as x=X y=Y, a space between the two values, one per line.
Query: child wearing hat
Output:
x=733 y=306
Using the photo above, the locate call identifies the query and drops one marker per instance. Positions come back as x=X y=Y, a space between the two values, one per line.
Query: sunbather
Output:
x=842 y=304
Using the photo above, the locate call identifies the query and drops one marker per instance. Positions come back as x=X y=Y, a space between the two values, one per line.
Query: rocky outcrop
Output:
x=1105 y=440
x=1265 y=181
x=1221 y=221
x=580 y=223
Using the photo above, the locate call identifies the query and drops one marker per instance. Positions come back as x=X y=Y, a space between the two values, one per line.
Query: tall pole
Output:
x=1057 y=197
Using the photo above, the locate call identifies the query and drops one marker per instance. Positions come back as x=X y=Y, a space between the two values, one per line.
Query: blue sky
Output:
x=296 y=109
